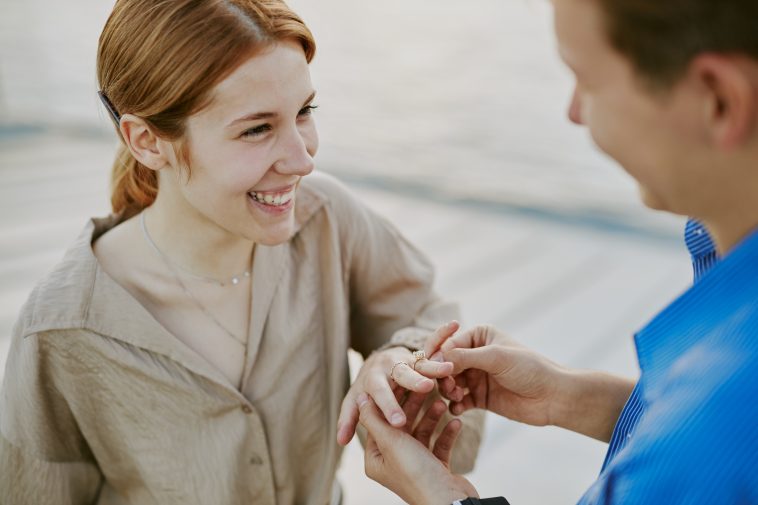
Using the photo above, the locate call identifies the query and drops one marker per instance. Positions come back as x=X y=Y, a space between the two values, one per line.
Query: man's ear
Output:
x=146 y=147
x=732 y=106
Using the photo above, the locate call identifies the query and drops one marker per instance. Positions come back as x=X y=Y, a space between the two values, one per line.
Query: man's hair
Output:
x=661 y=37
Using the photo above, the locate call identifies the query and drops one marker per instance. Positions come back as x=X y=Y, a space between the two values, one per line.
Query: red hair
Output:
x=160 y=59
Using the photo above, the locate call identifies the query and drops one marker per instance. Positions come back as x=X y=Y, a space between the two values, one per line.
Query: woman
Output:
x=191 y=348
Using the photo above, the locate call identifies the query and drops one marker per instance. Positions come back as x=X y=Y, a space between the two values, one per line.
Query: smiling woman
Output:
x=192 y=346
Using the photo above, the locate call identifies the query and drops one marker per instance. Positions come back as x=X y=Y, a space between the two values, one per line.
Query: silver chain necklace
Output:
x=233 y=281
x=173 y=269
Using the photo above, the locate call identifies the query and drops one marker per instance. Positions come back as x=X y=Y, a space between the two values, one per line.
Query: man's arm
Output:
x=496 y=373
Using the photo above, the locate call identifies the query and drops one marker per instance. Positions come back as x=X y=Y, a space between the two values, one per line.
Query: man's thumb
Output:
x=485 y=358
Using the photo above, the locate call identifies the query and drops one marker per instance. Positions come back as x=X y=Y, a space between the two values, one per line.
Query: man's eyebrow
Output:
x=256 y=116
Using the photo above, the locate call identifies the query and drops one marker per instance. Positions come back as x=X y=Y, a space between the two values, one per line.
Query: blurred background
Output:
x=449 y=118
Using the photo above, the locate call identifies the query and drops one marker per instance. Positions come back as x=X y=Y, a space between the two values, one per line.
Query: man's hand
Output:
x=405 y=461
x=494 y=372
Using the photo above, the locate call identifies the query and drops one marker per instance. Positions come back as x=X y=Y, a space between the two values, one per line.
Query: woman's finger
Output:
x=428 y=423
x=443 y=446
x=379 y=389
x=404 y=375
x=347 y=420
x=432 y=369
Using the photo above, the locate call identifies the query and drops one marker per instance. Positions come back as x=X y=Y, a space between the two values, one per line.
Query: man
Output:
x=670 y=91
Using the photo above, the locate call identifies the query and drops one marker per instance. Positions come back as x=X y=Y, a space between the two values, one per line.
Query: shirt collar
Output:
x=728 y=287
x=78 y=294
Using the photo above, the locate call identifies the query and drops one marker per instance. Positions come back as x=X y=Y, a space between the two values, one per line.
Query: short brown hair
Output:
x=661 y=37
x=160 y=59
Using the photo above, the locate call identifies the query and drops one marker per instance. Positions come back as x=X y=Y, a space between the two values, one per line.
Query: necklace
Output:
x=173 y=269
x=233 y=281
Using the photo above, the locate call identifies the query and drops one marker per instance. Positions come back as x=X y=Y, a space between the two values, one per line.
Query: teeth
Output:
x=275 y=200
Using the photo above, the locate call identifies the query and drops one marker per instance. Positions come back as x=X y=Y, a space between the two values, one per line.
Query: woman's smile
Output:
x=277 y=202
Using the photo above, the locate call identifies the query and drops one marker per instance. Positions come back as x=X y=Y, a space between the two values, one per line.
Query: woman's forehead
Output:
x=274 y=78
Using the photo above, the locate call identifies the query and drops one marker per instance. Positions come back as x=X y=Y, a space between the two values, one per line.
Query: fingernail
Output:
x=451 y=324
x=437 y=356
x=362 y=399
x=397 y=419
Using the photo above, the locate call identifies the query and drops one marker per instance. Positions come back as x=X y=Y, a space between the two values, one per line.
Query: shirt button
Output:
x=256 y=460
x=246 y=409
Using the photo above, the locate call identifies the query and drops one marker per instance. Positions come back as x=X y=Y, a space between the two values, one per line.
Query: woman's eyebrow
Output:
x=256 y=116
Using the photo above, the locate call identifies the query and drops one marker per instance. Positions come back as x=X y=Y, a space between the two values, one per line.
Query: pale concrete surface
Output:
x=576 y=292
x=461 y=99
x=446 y=116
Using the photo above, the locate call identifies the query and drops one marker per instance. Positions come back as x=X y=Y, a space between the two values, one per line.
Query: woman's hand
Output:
x=401 y=459
x=407 y=372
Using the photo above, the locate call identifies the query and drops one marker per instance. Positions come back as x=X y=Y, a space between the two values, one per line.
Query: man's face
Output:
x=651 y=134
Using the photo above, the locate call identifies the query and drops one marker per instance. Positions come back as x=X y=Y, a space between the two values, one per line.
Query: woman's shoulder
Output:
x=326 y=188
x=61 y=298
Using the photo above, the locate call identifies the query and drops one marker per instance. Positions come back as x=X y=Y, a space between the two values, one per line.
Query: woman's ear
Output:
x=732 y=103
x=146 y=147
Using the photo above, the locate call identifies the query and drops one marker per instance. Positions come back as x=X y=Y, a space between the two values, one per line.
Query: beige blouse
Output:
x=102 y=405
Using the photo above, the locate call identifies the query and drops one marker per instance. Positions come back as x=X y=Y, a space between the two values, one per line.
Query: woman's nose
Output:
x=575 y=108
x=296 y=155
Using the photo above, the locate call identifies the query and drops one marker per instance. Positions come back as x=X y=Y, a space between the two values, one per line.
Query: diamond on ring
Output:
x=418 y=356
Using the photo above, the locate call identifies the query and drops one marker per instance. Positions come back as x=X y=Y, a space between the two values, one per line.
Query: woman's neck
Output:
x=195 y=244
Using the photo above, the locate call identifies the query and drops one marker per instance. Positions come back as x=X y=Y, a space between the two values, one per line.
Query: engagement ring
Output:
x=392 y=370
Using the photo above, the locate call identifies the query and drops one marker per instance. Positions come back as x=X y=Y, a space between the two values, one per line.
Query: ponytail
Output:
x=133 y=185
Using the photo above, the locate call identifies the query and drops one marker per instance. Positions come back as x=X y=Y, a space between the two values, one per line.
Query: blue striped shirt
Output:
x=704 y=256
x=689 y=432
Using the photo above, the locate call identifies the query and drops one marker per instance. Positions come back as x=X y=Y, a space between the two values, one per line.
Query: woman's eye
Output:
x=307 y=110
x=257 y=131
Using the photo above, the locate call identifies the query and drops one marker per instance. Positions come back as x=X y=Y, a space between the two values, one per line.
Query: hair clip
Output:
x=111 y=109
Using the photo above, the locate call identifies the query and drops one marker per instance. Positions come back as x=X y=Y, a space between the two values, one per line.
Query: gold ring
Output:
x=418 y=355
x=392 y=370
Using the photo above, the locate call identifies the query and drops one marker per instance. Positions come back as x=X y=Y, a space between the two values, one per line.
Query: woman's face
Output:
x=251 y=146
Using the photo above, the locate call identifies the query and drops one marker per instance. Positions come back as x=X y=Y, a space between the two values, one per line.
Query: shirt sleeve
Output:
x=44 y=459
x=692 y=447
x=393 y=302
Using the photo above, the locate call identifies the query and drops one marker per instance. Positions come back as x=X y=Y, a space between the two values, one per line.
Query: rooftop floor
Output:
x=571 y=289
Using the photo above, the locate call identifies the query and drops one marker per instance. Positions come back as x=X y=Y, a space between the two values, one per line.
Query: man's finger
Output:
x=446 y=386
x=443 y=446
x=489 y=359
x=428 y=423
x=465 y=339
x=440 y=335
x=466 y=404
x=372 y=420
x=412 y=407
